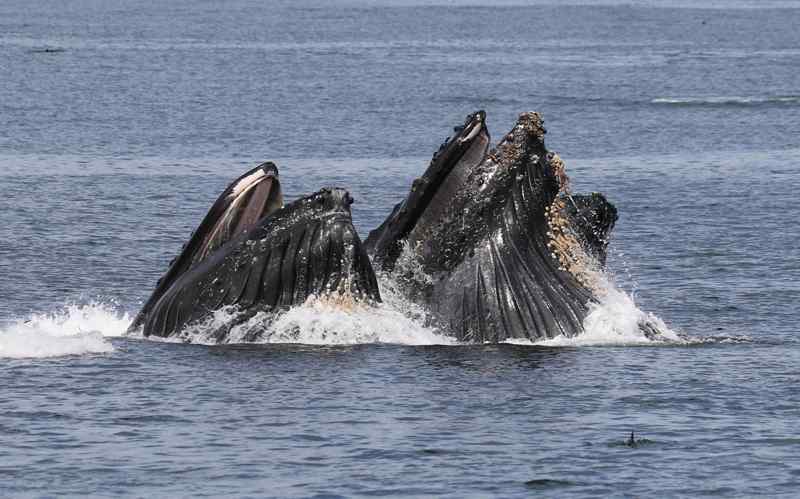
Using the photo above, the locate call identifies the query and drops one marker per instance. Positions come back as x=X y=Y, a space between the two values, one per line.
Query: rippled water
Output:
x=121 y=122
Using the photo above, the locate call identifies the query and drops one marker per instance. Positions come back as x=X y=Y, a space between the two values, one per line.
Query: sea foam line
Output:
x=727 y=100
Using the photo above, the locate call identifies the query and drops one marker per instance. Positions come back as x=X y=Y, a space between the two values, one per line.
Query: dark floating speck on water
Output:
x=548 y=483
x=48 y=50
x=632 y=441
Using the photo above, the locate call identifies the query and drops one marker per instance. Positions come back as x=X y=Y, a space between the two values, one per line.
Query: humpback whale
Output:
x=490 y=241
x=253 y=255
x=506 y=250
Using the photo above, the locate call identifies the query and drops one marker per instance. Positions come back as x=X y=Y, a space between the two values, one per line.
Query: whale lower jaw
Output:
x=321 y=259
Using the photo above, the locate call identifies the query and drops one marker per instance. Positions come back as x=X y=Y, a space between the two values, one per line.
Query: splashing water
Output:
x=85 y=329
x=329 y=320
x=613 y=320
x=73 y=330
x=409 y=267
x=324 y=321
x=319 y=322
x=616 y=320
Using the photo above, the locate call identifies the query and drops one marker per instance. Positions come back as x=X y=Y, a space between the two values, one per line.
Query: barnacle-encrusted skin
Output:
x=505 y=252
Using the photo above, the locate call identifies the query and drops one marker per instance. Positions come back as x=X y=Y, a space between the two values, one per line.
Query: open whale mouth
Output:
x=269 y=258
x=454 y=157
x=250 y=198
x=448 y=169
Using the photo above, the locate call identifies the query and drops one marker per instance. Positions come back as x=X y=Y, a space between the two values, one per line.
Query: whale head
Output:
x=461 y=194
x=248 y=199
x=308 y=248
x=504 y=248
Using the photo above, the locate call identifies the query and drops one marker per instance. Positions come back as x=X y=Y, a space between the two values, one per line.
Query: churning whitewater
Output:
x=71 y=330
x=88 y=328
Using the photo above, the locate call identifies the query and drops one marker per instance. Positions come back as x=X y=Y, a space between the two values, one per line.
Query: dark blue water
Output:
x=120 y=123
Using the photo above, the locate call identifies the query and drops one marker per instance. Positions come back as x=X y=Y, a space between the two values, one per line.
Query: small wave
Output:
x=548 y=483
x=318 y=322
x=616 y=319
x=73 y=330
x=722 y=339
x=728 y=101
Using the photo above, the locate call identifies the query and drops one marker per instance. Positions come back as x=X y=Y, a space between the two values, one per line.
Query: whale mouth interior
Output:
x=251 y=198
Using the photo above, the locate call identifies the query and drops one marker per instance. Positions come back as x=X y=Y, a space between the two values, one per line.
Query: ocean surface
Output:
x=121 y=122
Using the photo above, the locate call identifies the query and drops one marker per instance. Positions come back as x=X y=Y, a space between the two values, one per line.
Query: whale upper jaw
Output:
x=251 y=197
x=455 y=158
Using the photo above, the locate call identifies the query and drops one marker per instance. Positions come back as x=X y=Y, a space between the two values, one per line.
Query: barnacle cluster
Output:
x=563 y=241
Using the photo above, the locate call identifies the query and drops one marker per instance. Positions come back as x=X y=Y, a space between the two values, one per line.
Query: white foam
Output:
x=73 y=330
x=407 y=268
x=321 y=323
x=615 y=320
x=331 y=320
x=325 y=321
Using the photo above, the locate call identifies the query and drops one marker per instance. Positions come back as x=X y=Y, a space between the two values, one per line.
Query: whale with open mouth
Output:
x=490 y=241
x=252 y=255
x=507 y=252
